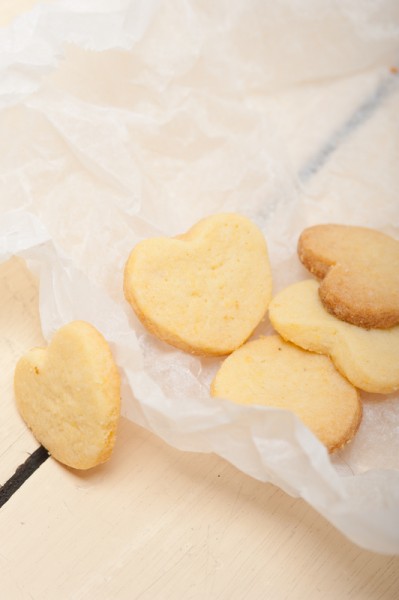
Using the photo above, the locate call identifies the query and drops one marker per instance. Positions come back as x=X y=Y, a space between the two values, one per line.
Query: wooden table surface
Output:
x=154 y=522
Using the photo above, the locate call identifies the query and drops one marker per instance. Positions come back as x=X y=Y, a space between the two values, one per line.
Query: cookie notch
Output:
x=204 y=291
x=368 y=358
x=359 y=272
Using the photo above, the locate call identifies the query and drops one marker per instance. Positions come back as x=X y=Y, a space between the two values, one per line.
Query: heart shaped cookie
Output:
x=204 y=291
x=69 y=395
x=274 y=373
x=368 y=358
x=359 y=268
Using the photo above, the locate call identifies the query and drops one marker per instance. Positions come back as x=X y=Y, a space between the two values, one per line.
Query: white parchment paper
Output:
x=127 y=119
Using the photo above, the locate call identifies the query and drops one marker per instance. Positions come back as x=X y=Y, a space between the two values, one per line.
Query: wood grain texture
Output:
x=19 y=331
x=157 y=523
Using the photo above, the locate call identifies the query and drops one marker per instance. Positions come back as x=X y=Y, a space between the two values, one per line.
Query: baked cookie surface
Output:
x=359 y=268
x=369 y=359
x=204 y=291
x=69 y=395
x=271 y=372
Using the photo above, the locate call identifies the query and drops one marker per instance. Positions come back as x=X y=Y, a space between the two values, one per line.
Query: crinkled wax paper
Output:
x=121 y=120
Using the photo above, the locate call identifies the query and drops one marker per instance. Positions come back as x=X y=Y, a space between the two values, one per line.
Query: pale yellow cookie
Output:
x=359 y=268
x=69 y=395
x=271 y=372
x=368 y=358
x=204 y=291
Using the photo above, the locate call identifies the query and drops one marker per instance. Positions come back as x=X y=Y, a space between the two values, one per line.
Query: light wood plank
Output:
x=364 y=172
x=156 y=523
x=19 y=331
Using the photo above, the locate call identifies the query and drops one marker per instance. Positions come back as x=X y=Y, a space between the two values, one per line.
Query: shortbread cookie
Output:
x=204 y=291
x=359 y=268
x=69 y=395
x=368 y=358
x=271 y=372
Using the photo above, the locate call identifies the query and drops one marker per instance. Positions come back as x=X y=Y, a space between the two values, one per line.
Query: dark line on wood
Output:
x=363 y=112
x=22 y=473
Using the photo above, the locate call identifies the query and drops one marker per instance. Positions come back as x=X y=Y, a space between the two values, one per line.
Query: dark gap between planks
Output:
x=22 y=473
